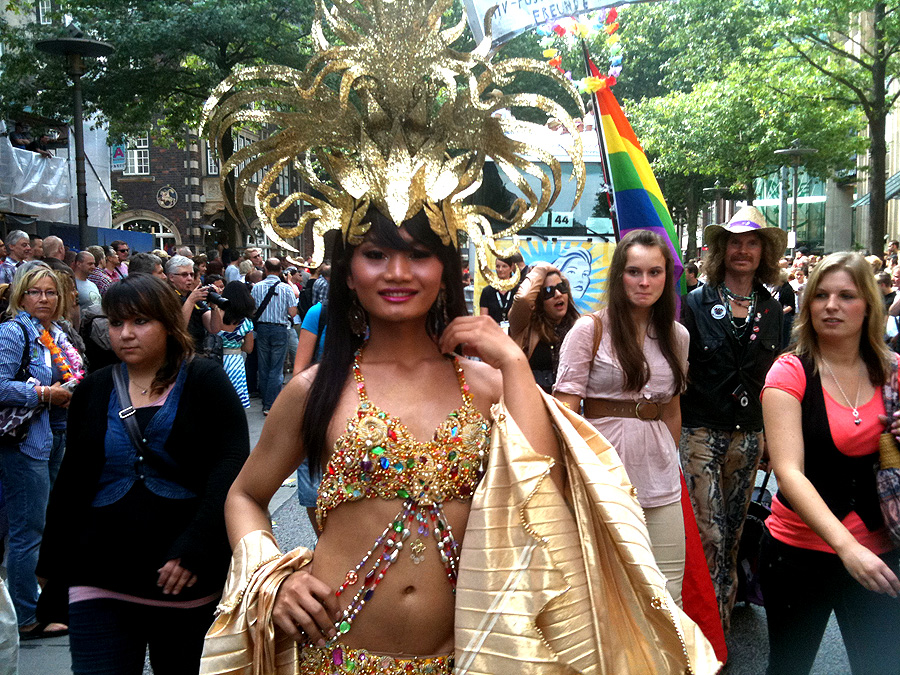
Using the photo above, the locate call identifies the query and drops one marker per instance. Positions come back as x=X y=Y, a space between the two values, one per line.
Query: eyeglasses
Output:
x=123 y=250
x=548 y=292
x=183 y=274
x=35 y=293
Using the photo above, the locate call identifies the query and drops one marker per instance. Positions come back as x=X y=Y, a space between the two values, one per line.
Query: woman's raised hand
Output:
x=870 y=570
x=306 y=609
x=483 y=337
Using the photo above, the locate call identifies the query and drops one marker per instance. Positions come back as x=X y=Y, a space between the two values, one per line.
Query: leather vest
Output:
x=725 y=373
x=845 y=483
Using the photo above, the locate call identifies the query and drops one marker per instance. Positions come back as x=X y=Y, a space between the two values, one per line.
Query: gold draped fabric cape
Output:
x=548 y=583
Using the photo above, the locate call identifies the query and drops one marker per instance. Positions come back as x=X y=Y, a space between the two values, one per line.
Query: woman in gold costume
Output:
x=419 y=447
x=402 y=432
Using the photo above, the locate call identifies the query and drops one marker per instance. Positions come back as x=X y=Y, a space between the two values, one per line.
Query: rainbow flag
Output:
x=639 y=203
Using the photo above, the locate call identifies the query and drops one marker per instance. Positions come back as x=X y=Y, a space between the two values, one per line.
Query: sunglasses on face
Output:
x=548 y=292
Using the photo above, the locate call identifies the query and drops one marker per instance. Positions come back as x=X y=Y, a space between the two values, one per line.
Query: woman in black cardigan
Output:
x=135 y=528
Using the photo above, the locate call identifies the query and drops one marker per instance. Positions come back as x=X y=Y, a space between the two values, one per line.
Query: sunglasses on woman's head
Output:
x=548 y=292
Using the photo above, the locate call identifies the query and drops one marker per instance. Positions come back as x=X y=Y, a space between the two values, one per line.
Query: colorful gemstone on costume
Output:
x=377 y=456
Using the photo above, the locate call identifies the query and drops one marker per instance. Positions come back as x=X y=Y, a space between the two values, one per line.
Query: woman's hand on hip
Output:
x=483 y=337
x=173 y=577
x=306 y=608
x=870 y=570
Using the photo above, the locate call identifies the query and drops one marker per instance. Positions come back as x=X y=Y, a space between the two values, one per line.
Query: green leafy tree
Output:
x=854 y=47
x=169 y=56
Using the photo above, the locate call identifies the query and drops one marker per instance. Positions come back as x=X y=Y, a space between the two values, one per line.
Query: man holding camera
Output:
x=200 y=320
x=275 y=308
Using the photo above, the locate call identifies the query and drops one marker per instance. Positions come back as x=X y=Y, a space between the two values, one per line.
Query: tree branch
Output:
x=860 y=94
x=849 y=38
x=843 y=53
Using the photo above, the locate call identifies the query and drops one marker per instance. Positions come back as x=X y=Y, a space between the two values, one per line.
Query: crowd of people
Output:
x=69 y=314
x=711 y=394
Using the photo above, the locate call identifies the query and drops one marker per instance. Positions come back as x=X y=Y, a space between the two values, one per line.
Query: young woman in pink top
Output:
x=827 y=548
x=630 y=386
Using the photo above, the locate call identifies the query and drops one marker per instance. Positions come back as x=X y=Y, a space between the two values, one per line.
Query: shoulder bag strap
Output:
x=26 y=353
x=598 y=333
x=265 y=302
x=126 y=414
x=889 y=391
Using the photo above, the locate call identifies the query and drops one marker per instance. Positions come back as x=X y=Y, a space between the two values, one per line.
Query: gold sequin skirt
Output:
x=340 y=660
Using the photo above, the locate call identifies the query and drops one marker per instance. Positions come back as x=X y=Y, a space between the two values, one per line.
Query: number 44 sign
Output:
x=561 y=219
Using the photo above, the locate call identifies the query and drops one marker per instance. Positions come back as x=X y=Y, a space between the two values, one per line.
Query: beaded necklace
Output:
x=740 y=329
x=71 y=368
x=387 y=548
x=464 y=438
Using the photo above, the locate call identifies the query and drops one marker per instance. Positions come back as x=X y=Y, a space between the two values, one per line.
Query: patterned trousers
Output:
x=720 y=470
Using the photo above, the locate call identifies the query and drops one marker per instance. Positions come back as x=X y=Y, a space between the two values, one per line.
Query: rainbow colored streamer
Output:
x=638 y=201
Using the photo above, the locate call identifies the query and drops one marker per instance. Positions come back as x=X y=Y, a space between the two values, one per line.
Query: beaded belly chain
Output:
x=378 y=457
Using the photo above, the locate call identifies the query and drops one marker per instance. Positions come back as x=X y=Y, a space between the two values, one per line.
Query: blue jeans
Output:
x=271 y=347
x=110 y=637
x=26 y=484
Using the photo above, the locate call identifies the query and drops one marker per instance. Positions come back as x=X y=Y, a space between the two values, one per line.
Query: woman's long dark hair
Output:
x=623 y=331
x=143 y=295
x=541 y=324
x=340 y=343
x=240 y=303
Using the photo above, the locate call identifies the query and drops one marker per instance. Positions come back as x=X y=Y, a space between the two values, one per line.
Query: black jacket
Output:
x=724 y=371
x=843 y=482
x=119 y=547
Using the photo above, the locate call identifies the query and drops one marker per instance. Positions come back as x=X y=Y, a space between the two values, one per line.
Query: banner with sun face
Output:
x=583 y=263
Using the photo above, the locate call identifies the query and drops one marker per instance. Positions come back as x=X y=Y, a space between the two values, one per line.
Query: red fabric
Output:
x=697 y=593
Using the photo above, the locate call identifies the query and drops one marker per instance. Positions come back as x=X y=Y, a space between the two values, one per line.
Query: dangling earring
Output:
x=439 y=313
x=442 y=306
x=357 y=315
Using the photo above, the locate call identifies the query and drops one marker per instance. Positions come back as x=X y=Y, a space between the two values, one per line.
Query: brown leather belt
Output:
x=642 y=409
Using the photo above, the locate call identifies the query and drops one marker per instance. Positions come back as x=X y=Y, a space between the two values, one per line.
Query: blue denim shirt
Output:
x=15 y=393
x=124 y=464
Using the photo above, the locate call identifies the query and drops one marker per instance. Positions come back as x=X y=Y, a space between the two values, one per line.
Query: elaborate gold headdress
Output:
x=408 y=128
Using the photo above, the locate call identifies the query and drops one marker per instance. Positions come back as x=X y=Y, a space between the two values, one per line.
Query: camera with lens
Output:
x=217 y=299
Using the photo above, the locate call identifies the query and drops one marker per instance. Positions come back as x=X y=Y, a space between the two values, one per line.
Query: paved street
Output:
x=747 y=645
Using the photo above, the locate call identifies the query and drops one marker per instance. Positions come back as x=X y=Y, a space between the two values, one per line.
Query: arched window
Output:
x=163 y=230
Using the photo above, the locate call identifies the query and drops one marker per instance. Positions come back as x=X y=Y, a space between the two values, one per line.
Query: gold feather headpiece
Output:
x=408 y=128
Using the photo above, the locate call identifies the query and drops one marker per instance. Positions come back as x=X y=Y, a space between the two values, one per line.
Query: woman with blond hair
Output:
x=37 y=363
x=827 y=548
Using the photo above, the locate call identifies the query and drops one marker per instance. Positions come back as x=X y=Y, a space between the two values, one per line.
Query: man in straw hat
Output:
x=735 y=328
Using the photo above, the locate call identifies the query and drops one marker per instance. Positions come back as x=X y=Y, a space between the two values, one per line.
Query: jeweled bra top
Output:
x=377 y=456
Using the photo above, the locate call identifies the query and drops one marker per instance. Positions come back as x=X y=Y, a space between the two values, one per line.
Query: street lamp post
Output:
x=75 y=49
x=796 y=153
x=715 y=191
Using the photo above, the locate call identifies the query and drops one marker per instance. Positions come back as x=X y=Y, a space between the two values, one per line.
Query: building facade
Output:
x=174 y=192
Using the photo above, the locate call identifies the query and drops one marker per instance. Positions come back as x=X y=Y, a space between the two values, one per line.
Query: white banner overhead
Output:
x=516 y=16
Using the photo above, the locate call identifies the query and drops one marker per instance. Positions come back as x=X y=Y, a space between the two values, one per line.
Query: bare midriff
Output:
x=411 y=612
